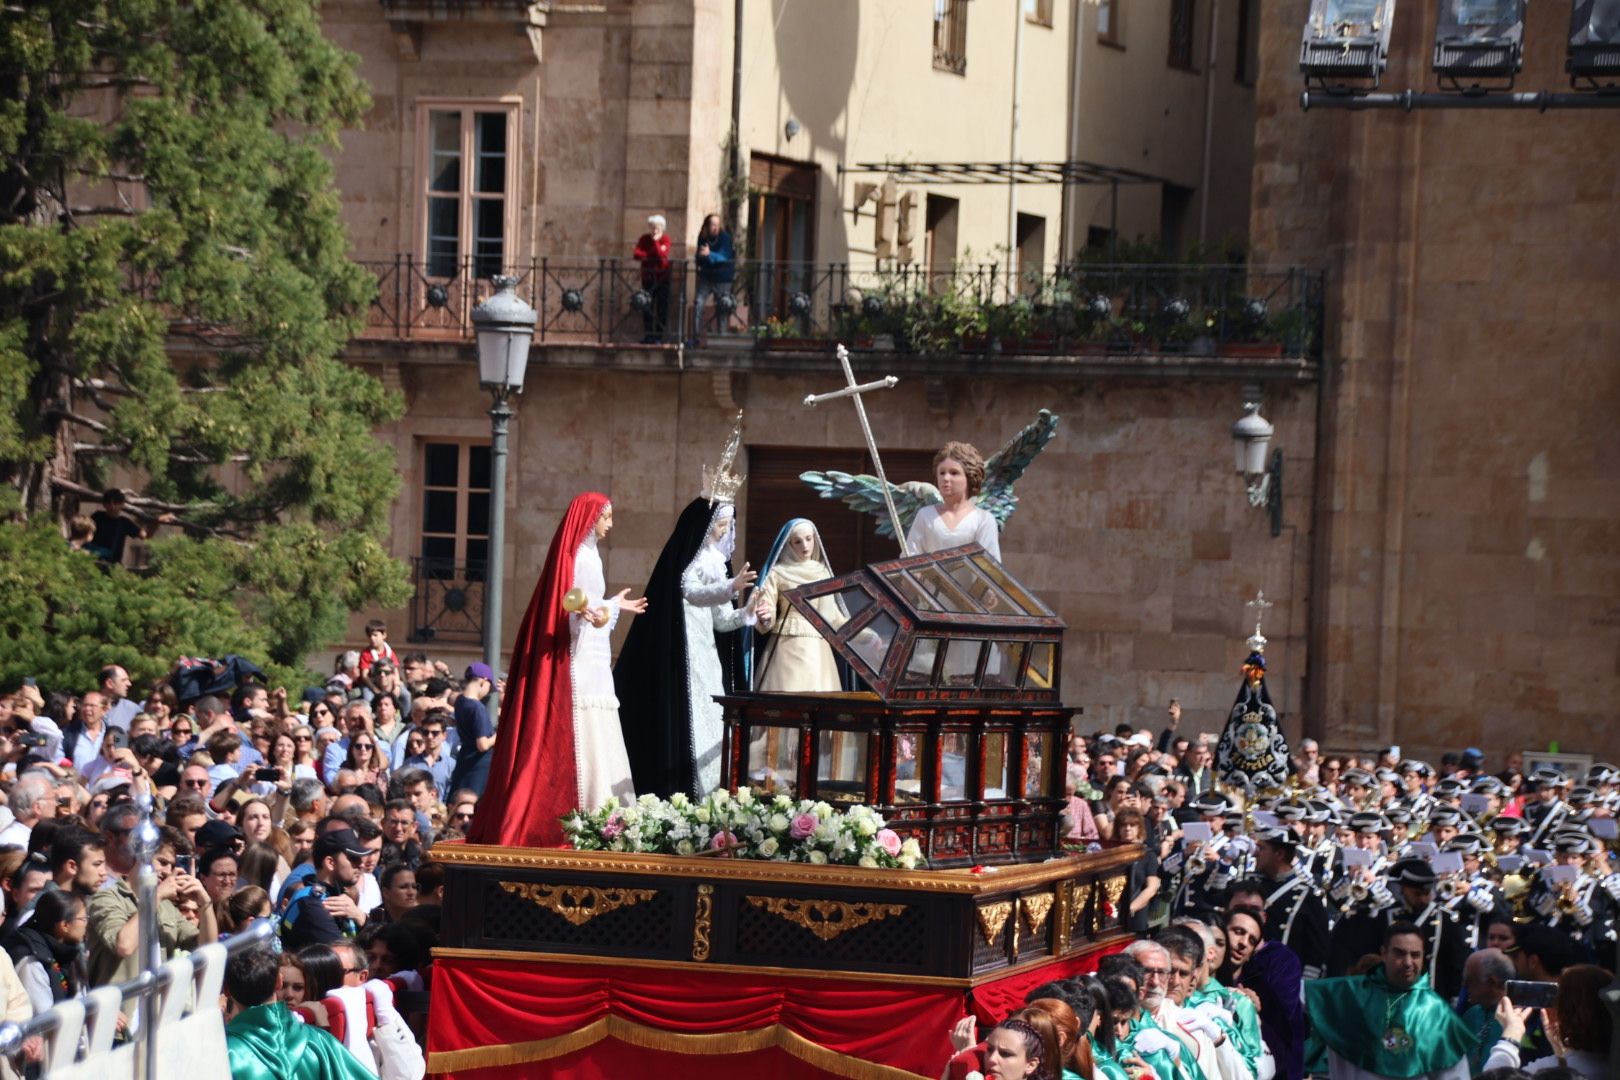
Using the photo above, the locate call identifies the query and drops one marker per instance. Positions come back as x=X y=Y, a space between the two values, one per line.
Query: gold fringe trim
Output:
x=649 y=1038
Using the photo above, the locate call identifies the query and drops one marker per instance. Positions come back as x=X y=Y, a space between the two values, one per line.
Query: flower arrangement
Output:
x=744 y=826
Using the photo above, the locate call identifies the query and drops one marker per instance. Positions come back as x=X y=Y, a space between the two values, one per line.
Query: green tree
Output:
x=174 y=296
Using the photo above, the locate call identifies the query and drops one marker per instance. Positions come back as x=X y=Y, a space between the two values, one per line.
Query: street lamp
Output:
x=505 y=327
x=1478 y=39
x=1251 y=438
x=1594 y=43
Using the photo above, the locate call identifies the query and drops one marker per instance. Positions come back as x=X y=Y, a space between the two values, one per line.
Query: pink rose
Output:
x=613 y=826
x=889 y=841
x=723 y=842
x=803 y=825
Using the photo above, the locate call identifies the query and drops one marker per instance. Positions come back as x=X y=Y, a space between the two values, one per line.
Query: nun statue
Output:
x=790 y=655
x=687 y=650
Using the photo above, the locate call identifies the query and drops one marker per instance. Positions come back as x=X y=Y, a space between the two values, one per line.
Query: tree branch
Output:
x=75 y=418
x=99 y=211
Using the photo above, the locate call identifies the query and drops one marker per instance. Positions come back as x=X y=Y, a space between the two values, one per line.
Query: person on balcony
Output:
x=716 y=268
x=653 y=250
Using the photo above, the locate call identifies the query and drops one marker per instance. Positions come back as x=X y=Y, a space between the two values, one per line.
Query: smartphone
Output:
x=269 y=775
x=185 y=864
x=1532 y=995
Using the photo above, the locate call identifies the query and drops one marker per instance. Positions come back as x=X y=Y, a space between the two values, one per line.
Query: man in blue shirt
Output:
x=476 y=730
x=716 y=267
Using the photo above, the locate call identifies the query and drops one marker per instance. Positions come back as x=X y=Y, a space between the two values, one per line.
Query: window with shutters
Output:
x=950 y=36
x=776 y=495
x=467 y=173
x=455 y=509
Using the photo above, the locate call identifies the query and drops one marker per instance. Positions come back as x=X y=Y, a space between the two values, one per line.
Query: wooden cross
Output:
x=854 y=391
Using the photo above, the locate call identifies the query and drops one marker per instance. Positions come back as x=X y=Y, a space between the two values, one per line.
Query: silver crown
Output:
x=721 y=484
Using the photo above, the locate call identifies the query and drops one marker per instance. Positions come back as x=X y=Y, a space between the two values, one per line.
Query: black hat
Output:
x=1398 y=815
x=1487 y=784
x=1211 y=803
x=1545 y=777
x=1467 y=843
x=1573 y=842
x=1359 y=777
x=1602 y=773
x=338 y=841
x=1503 y=825
x=1368 y=823
x=1232 y=819
x=1318 y=812
x=1449 y=787
x=1413 y=872
x=1280 y=837
x=1579 y=796
x=1289 y=812
x=217 y=834
x=1445 y=815
x=1387 y=776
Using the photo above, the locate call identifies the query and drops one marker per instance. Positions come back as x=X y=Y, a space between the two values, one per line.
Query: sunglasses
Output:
x=180 y=731
x=194 y=783
x=364 y=745
x=303 y=738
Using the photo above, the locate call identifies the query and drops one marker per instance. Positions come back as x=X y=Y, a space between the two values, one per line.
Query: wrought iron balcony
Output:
x=449 y=603
x=1114 y=310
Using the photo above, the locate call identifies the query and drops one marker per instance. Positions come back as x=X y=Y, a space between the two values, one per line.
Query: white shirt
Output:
x=16 y=834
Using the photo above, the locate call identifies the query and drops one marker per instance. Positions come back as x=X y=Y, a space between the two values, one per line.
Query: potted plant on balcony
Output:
x=777 y=334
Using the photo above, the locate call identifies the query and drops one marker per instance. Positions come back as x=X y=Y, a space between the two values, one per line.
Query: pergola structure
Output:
x=936 y=173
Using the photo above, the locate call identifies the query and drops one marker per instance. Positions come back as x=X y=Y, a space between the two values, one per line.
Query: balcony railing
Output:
x=448 y=605
x=1103 y=309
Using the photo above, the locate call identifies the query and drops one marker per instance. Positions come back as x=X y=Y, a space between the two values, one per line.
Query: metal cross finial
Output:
x=854 y=391
x=1260 y=604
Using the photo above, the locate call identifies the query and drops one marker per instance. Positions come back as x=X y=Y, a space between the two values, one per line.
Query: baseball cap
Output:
x=217 y=834
x=480 y=670
x=111 y=780
x=340 y=841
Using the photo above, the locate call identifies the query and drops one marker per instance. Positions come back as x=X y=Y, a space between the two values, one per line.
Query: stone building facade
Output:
x=1465 y=577
x=1445 y=574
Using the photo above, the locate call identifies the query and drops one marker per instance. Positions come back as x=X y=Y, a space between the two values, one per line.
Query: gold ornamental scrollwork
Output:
x=1035 y=909
x=1115 y=889
x=1081 y=900
x=826 y=919
x=578 y=904
x=992 y=917
x=702 y=921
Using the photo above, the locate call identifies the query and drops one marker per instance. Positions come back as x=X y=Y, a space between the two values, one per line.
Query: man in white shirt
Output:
x=1184 y=1024
x=33 y=796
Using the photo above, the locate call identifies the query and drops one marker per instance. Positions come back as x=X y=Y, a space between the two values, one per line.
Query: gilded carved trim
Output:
x=960 y=882
x=992 y=917
x=701 y=923
x=826 y=919
x=1081 y=900
x=1114 y=887
x=578 y=904
x=1035 y=909
x=1062 y=919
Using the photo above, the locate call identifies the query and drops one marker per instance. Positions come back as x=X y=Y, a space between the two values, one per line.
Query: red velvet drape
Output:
x=532 y=778
x=498 y=1003
x=503 y=1019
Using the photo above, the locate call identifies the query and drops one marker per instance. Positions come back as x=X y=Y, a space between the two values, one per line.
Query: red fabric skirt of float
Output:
x=493 y=1019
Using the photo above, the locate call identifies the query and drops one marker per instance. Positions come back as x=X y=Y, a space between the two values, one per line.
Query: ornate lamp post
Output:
x=1251 y=438
x=505 y=327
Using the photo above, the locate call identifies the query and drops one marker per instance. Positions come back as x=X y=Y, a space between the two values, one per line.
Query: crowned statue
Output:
x=1252 y=755
x=688 y=649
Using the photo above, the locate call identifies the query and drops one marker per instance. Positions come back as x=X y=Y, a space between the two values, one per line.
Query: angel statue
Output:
x=970 y=504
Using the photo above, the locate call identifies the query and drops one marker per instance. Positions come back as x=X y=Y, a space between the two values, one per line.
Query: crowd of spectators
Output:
x=317 y=813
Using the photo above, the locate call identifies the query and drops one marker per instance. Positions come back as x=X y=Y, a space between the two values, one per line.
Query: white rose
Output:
x=866 y=826
x=823 y=810
x=768 y=846
x=679 y=800
x=745 y=796
x=779 y=823
x=908 y=862
x=867 y=861
x=702 y=814
x=910 y=847
x=684 y=847
x=818 y=857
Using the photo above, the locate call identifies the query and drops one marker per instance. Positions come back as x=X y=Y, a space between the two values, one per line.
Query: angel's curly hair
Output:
x=966 y=455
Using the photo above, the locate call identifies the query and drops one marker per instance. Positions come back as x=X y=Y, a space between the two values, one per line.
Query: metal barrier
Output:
x=154 y=989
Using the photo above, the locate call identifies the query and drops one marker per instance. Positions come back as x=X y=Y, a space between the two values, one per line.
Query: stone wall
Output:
x=1131 y=524
x=1467 y=562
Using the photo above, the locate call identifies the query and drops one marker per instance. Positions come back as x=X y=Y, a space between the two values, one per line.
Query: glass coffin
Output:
x=959 y=740
x=947 y=626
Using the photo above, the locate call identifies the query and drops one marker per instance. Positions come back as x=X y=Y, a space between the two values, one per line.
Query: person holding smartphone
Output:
x=114 y=929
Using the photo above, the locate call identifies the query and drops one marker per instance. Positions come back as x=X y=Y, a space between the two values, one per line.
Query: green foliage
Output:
x=174 y=295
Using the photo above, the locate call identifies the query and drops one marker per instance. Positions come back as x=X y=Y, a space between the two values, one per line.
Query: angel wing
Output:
x=1009 y=463
x=865 y=494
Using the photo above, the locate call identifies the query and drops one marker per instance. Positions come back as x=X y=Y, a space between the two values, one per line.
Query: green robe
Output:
x=267 y=1042
x=1107 y=1065
x=1421 y=1034
x=1183 y=1064
x=1478 y=1020
x=1244 y=1031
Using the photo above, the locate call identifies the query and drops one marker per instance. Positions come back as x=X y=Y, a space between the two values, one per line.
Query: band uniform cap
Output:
x=1414 y=872
x=1508 y=826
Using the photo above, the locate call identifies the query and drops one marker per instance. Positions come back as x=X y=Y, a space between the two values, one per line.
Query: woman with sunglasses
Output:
x=365 y=757
x=321 y=715
x=303 y=760
x=182 y=729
